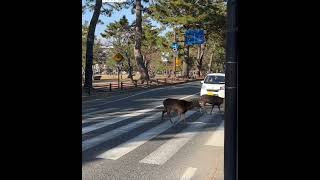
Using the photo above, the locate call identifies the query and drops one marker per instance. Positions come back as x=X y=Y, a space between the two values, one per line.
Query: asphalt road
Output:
x=123 y=137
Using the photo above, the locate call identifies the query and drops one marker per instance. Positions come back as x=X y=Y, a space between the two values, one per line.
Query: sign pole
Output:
x=175 y=40
x=118 y=76
x=118 y=58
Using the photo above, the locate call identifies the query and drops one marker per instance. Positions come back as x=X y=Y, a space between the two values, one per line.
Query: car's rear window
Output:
x=214 y=80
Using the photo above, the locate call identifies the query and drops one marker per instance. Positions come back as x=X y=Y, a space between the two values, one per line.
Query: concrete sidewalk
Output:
x=218 y=140
x=218 y=172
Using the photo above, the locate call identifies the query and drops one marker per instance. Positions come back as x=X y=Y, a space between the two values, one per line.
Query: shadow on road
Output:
x=90 y=154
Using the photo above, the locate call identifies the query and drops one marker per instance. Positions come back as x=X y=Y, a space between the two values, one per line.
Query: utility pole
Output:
x=231 y=99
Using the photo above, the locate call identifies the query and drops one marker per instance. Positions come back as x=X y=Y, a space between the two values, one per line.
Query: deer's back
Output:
x=212 y=99
x=176 y=105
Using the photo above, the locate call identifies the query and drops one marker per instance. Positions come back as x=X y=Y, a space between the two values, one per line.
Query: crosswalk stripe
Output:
x=217 y=138
x=167 y=150
x=121 y=150
x=113 y=121
x=102 y=124
x=104 y=110
x=188 y=174
x=89 y=143
x=118 y=119
x=92 y=118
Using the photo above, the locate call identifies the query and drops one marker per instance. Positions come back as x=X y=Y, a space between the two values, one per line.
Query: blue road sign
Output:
x=175 y=45
x=193 y=37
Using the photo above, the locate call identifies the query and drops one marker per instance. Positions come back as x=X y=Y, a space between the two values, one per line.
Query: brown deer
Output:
x=179 y=106
x=213 y=100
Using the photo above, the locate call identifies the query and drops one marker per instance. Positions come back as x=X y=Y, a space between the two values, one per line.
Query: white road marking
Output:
x=95 y=112
x=196 y=122
x=91 y=100
x=89 y=143
x=167 y=150
x=187 y=175
x=121 y=150
x=90 y=113
x=114 y=120
x=217 y=138
x=127 y=97
x=190 y=95
x=141 y=93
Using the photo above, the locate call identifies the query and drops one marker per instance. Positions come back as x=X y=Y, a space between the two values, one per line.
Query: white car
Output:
x=213 y=84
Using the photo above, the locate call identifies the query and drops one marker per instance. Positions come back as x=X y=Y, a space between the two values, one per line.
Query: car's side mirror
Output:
x=202 y=82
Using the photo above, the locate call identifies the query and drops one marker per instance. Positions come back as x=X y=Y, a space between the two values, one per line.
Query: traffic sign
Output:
x=195 y=36
x=118 y=57
x=175 y=45
x=178 y=62
x=175 y=53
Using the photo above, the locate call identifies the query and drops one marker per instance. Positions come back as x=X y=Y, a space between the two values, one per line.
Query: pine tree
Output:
x=186 y=14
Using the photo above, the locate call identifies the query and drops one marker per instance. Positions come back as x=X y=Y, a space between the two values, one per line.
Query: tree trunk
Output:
x=130 y=68
x=137 y=48
x=210 y=63
x=90 y=43
x=211 y=58
x=185 y=65
x=200 y=59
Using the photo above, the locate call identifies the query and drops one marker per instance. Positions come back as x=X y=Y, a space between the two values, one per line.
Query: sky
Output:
x=106 y=20
x=114 y=17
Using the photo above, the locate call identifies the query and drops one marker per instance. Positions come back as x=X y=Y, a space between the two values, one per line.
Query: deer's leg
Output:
x=165 y=110
x=200 y=108
x=168 y=112
x=184 y=117
x=204 y=104
x=181 y=114
x=219 y=108
x=212 y=108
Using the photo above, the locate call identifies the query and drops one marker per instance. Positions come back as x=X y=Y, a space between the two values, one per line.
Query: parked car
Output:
x=213 y=85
